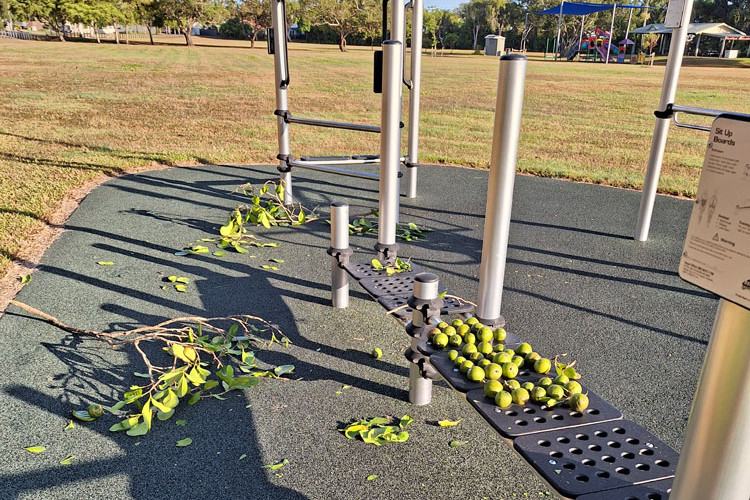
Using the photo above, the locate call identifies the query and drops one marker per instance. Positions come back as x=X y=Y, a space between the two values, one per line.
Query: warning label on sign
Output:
x=716 y=255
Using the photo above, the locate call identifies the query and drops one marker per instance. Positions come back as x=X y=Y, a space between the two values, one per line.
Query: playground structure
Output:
x=334 y=165
x=593 y=48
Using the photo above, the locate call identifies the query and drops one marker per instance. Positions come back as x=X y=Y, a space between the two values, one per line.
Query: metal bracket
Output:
x=428 y=308
x=342 y=256
x=387 y=253
x=666 y=114
x=411 y=165
x=286 y=167
x=426 y=370
x=284 y=113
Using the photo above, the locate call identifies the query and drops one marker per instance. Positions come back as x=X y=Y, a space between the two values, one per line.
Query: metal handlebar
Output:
x=672 y=110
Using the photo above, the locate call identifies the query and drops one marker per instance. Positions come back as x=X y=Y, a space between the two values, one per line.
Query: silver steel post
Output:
x=559 y=28
x=339 y=249
x=715 y=458
x=611 y=34
x=508 y=107
x=398 y=32
x=390 y=144
x=661 y=128
x=412 y=155
x=426 y=287
x=281 y=66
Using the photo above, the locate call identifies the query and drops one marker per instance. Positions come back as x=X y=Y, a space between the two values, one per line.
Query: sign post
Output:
x=715 y=458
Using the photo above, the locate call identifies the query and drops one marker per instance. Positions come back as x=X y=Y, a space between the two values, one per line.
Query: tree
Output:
x=476 y=14
x=650 y=40
x=183 y=14
x=53 y=13
x=342 y=16
x=371 y=21
x=144 y=12
x=432 y=18
x=255 y=14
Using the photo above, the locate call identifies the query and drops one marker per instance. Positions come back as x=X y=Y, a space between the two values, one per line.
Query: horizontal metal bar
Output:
x=334 y=170
x=689 y=110
x=344 y=161
x=689 y=125
x=328 y=124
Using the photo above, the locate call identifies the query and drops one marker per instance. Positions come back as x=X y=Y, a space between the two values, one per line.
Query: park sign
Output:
x=716 y=255
x=673 y=17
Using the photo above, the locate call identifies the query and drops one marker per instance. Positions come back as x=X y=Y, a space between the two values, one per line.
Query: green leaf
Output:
x=405 y=421
x=182 y=387
x=456 y=444
x=377 y=421
x=180 y=288
x=199 y=249
x=301 y=217
x=376 y=265
x=184 y=442
x=171 y=400
x=283 y=370
x=83 y=415
x=142 y=375
x=26 y=279
x=220 y=398
x=242 y=457
x=118 y=406
x=146 y=412
x=277 y=465
x=35 y=449
x=210 y=384
x=182 y=253
x=172 y=279
x=194 y=398
x=278 y=261
x=195 y=377
x=105 y=263
x=160 y=406
x=68 y=460
x=372 y=477
x=165 y=416
x=181 y=423
x=443 y=294
x=449 y=423
x=138 y=430
x=70 y=426
x=219 y=253
x=183 y=279
x=353 y=431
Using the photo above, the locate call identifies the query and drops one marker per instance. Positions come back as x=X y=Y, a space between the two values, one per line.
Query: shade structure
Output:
x=584 y=8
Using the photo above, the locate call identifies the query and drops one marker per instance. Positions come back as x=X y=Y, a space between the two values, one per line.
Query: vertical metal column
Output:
x=281 y=66
x=715 y=458
x=559 y=28
x=508 y=107
x=412 y=149
x=661 y=128
x=339 y=254
x=611 y=34
x=426 y=287
x=390 y=149
x=398 y=31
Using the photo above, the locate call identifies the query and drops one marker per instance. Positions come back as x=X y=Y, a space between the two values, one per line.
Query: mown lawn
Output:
x=71 y=111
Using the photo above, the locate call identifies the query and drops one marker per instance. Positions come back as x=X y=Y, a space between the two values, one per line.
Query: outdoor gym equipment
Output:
x=278 y=47
x=677 y=18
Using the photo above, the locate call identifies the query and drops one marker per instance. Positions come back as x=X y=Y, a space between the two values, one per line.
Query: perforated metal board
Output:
x=597 y=457
x=459 y=381
x=655 y=490
x=450 y=305
x=519 y=420
x=398 y=284
x=360 y=270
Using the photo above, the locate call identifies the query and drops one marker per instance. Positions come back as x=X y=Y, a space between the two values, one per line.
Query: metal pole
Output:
x=580 y=38
x=630 y=18
x=426 y=287
x=715 y=458
x=723 y=45
x=508 y=107
x=398 y=29
x=412 y=153
x=559 y=27
x=339 y=245
x=697 y=44
x=281 y=66
x=390 y=143
x=611 y=34
x=661 y=128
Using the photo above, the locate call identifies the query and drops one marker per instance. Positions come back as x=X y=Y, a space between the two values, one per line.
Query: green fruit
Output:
x=493 y=371
x=500 y=334
x=531 y=358
x=517 y=360
x=492 y=388
x=498 y=348
x=524 y=349
x=449 y=330
x=442 y=325
x=485 y=348
x=475 y=374
x=510 y=352
x=468 y=349
x=551 y=402
x=542 y=365
x=452 y=354
x=463 y=330
x=455 y=340
x=529 y=386
x=555 y=391
x=458 y=361
x=470 y=338
x=471 y=321
x=466 y=366
x=561 y=380
x=431 y=334
x=440 y=340
x=512 y=384
x=578 y=402
x=520 y=396
x=485 y=334
x=538 y=393
x=510 y=370
x=501 y=358
x=570 y=372
x=95 y=410
x=483 y=362
x=573 y=387
x=544 y=382
x=456 y=323
x=376 y=353
x=476 y=356
x=503 y=399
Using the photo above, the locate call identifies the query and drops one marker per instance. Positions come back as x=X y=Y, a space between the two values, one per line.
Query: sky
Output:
x=443 y=4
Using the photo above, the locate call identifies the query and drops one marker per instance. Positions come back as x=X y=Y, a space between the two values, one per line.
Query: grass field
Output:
x=72 y=111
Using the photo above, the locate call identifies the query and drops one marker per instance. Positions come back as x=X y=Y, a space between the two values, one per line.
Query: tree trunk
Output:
x=476 y=35
x=96 y=32
x=342 y=42
x=188 y=37
x=127 y=35
x=117 y=34
x=252 y=40
x=150 y=35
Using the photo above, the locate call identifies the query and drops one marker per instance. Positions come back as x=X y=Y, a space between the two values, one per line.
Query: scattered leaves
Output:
x=35 y=449
x=456 y=443
x=105 y=263
x=372 y=477
x=70 y=426
x=277 y=465
x=378 y=430
x=181 y=423
x=449 y=423
x=68 y=460
x=184 y=442
x=26 y=279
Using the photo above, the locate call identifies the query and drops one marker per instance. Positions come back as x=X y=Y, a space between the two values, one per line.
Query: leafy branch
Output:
x=267 y=208
x=198 y=349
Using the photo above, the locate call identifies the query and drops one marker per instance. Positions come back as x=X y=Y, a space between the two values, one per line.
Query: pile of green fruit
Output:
x=479 y=353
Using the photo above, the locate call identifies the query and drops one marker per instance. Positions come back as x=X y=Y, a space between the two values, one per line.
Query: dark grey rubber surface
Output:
x=575 y=283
